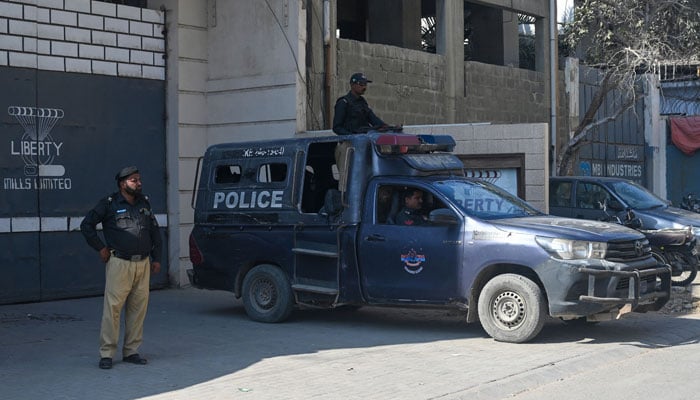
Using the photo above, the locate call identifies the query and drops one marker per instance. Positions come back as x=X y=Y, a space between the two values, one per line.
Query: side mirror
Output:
x=443 y=216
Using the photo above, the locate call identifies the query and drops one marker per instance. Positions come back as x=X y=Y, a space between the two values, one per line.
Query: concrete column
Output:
x=543 y=63
x=177 y=275
x=511 y=40
x=450 y=44
x=572 y=85
x=655 y=137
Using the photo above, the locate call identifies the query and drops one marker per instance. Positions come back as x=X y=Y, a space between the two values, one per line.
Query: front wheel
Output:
x=267 y=294
x=512 y=308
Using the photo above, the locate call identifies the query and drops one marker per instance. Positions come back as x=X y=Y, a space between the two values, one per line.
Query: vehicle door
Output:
x=589 y=200
x=560 y=198
x=410 y=263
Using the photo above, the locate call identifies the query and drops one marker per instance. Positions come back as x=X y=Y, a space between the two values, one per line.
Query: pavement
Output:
x=201 y=345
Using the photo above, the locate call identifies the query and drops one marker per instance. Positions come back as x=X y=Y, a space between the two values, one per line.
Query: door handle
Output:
x=374 y=238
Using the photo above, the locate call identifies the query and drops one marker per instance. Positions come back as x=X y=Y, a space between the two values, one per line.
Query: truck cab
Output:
x=272 y=227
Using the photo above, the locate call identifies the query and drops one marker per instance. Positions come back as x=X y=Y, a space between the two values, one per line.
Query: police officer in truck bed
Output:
x=352 y=113
x=133 y=239
x=353 y=116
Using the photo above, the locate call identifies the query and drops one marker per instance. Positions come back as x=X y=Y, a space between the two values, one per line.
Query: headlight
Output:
x=696 y=231
x=566 y=249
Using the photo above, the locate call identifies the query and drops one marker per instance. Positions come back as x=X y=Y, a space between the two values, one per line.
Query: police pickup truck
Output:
x=272 y=227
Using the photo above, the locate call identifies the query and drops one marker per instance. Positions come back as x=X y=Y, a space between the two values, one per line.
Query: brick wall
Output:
x=480 y=139
x=499 y=94
x=82 y=36
x=407 y=85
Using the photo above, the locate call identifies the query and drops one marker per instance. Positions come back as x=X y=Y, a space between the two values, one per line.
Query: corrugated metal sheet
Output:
x=617 y=147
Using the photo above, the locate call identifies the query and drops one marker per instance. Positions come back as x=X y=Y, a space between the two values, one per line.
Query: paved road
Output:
x=200 y=345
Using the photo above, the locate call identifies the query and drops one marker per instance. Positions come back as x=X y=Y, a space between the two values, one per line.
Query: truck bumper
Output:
x=647 y=290
x=210 y=279
x=589 y=291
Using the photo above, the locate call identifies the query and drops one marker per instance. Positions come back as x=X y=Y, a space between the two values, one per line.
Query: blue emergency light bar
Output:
x=392 y=143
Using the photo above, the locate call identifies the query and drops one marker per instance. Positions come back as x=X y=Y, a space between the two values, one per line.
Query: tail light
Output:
x=195 y=255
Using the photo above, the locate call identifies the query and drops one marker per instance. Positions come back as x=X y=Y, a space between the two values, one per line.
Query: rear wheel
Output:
x=267 y=294
x=512 y=308
x=684 y=268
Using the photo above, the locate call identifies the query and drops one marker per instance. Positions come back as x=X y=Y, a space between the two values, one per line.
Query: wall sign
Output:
x=38 y=149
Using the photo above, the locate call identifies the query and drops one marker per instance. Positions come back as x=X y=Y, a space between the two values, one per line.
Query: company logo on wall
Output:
x=38 y=150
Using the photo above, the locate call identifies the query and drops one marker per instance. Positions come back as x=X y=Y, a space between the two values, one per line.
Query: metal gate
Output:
x=680 y=98
x=617 y=147
x=63 y=138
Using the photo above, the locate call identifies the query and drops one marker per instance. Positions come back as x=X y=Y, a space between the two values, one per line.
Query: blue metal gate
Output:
x=63 y=137
x=680 y=98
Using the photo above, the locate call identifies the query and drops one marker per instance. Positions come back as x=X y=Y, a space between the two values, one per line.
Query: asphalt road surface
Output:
x=201 y=345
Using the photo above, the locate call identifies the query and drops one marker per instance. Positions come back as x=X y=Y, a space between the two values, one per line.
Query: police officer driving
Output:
x=132 y=251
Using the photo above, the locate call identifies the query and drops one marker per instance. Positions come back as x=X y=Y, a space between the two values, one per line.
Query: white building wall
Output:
x=255 y=66
x=84 y=36
x=186 y=125
x=234 y=73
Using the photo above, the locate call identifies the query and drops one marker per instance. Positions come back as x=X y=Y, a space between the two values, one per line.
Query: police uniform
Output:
x=133 y=238
x=353 y=115
x=409 y=216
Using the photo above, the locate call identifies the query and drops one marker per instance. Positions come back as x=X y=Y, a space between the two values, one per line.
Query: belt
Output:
x=137 y=257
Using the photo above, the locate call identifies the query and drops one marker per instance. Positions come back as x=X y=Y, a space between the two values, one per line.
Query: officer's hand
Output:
x=155 y=267
x=105 y=254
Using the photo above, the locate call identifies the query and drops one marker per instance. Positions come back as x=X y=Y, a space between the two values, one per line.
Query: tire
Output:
x=512 y=308
x=658 y=256
x=688 y=263
x=267 y=294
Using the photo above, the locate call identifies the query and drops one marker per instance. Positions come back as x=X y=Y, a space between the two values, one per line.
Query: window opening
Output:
x=272 y=172
x=319 y=176
x=227 y=174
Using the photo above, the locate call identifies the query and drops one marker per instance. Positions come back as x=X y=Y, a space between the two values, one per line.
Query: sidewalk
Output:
x=201 y=345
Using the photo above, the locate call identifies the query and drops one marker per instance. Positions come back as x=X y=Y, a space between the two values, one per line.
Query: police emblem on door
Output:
x=413 y=260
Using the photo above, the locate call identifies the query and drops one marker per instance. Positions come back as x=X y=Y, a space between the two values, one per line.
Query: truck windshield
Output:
x=484 y=200
x=636 y=196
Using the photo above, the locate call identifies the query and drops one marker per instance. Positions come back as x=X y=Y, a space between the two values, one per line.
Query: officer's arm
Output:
x=339 y=115
x=375 y=121
x=89 y=225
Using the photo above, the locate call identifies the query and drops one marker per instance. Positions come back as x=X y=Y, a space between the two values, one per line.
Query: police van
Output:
x=272 y=227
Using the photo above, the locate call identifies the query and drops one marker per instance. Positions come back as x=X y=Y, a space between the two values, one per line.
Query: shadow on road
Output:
x=194 y=337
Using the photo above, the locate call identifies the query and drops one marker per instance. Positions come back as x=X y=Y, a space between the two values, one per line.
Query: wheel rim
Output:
x=264 y=294
x=508 y=310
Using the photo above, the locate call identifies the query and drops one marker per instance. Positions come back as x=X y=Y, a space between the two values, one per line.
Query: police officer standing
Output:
x=132 y=240
x=353 y=116
x=352 y=113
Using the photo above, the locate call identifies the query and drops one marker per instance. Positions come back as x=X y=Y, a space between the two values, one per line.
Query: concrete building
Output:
x=262 y=69
x=249 y=70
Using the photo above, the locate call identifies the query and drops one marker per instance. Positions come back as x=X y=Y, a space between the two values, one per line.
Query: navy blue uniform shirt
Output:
x=408 y=216
x=353 y=115
x=128 y=229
